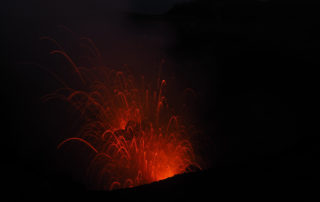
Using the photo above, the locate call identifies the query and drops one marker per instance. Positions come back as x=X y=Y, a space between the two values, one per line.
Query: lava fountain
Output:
x=129 y=126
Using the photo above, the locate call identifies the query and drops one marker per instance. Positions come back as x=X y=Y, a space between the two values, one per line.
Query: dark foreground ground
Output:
x=237 y=182
x=232 y=183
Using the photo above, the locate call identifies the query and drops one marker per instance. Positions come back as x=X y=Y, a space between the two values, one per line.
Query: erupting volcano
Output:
x=130 y=127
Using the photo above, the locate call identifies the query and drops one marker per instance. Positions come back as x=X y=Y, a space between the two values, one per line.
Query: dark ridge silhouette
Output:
x=223 y=183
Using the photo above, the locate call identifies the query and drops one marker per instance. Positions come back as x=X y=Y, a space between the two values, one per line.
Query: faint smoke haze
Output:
x=153 y=6
x=85 y=8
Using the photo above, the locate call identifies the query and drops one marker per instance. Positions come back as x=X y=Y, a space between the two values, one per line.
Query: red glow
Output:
x=129 y=127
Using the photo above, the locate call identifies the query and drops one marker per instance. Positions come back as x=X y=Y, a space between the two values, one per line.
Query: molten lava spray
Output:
x=129 y=127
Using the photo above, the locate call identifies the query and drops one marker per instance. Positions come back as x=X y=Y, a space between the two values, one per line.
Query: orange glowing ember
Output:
x=129 y=127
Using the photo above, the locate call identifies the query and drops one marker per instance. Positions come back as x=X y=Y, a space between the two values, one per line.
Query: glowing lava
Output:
x=129 y=127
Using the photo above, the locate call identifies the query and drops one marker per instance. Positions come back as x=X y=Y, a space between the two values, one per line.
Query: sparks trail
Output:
x=135 y=138
x=76 y=68
x=77 y=139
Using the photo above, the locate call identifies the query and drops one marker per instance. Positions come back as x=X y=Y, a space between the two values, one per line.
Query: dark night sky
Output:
x=245 y=59
x=72 y=7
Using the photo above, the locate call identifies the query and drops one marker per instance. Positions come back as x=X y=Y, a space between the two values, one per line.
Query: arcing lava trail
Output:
x=129 y=126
